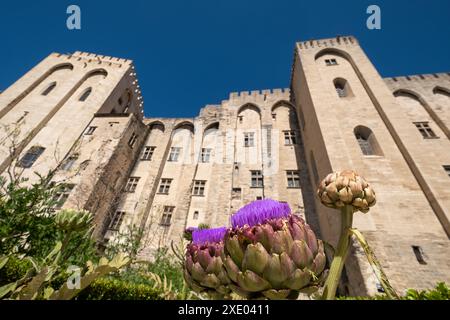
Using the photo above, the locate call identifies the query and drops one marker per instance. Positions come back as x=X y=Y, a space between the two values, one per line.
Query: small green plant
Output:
x=39 y=280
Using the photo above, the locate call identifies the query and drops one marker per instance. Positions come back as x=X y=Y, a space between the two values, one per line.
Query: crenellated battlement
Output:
x=96 y=58
x=330 y=42
x=256 y=95
x=419 y=77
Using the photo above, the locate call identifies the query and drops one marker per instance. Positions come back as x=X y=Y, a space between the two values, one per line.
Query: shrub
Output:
x=13 y=270
x=114 y=289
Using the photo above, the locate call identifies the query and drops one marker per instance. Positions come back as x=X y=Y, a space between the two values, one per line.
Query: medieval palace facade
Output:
x=82 y=116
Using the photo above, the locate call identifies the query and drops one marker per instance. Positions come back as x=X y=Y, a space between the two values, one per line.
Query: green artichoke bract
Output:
x=272 y=253
x=203 y=267
x=73 y=220
x=346 y=187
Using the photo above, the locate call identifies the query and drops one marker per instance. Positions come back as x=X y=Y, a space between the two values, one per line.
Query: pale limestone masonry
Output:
x=163 y=175
x=405 y=169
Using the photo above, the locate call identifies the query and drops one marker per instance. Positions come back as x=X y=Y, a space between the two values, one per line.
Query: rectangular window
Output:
x=205 y=155
x=69 y=162
x=164 y=186
x=117 y=220
x=249 y=139
x=174 y=154
x=293 y=179
x=132 y=140
x=195 y=217
x=148 y=153
x=90 y=130
x=62 y=194
x=330 y=62
x=447 y=169
x=30 y=157
x=131 y=184
x=290 y=138
x=425 y=130
x=257 y=180
x=167 y=216
x=199 y=188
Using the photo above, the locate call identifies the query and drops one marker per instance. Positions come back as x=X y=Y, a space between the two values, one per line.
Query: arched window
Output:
x=342 y=88
x=367 y=141
x=85 y=94
x=49 y=89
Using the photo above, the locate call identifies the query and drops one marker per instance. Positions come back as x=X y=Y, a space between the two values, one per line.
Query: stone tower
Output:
x=72 y=113
x=394 y=133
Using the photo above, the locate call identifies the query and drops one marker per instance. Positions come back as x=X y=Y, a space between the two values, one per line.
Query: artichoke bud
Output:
x=346 y=188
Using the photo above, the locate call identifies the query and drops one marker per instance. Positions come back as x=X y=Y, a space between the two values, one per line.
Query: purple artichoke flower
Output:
x=260 y=211
x=203 y=267
x=271 y=253
x=208 y=235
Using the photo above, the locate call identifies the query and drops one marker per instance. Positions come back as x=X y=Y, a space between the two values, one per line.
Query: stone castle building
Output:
x=81 y=115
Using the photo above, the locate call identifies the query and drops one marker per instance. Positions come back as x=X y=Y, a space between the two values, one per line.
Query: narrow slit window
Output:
x=49 y=89
x=132 y=140
x=90 y=130
x=85 y=94
x=447 y=169
x=418 y=252
x=195 y=216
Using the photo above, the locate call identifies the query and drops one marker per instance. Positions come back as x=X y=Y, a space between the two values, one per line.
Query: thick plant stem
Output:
x=337 y=265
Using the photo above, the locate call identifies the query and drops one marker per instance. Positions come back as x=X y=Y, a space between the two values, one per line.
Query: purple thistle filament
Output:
x=203 y=236
x=260 y=211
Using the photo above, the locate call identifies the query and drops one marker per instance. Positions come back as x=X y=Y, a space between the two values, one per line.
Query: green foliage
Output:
x=440 y=292
x=28 y=222
x=128 y=241
x=108 y=288
x=13 y=270
x=164 y=265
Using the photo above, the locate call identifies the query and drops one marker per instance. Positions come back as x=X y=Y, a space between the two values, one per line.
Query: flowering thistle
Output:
x=260 y=211
x=208 y=235
x=271 y=253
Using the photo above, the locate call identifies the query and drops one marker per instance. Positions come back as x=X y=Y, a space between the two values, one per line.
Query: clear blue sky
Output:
x=189 y=53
